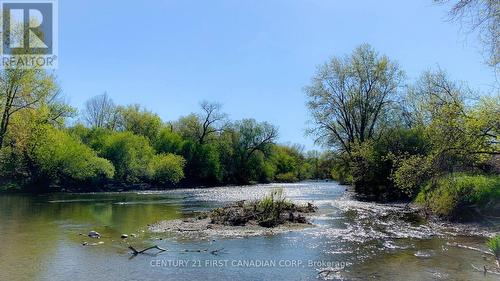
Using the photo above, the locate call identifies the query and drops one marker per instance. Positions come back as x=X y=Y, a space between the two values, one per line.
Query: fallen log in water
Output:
x=485 y=270
x=135 y=252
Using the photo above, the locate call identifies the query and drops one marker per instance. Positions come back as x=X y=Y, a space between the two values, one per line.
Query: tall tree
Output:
x=201 y=126
x=349 y=97
x=101 y=112
x=458 y=125
x=254 y=136
x=213 y=120
x=25 y=89
x=251 y=141
x=140 y=121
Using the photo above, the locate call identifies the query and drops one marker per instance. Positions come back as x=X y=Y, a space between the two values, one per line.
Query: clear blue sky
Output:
x=252 y=56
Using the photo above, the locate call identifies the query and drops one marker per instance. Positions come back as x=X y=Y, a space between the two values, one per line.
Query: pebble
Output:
x=94 y=234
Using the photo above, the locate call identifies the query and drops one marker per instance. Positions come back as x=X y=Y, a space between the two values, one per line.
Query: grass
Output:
x=494 y=245
x=272 y=210
x=457 y=192
x=272 y=206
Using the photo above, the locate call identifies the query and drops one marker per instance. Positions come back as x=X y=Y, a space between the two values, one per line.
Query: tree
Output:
x=167 y=168
x=457 y=123
x=290 y=163
x=28 y=89
x=140 y=121
x=101 y=112
x=169 y=141
x=200 y=132
x=250 y=137
x=482 y=16
x=459 y=132
x=350 y=96
x=58 y=158
x=200 y=127
x=130 y=154
x=213 y=120
x=255 y=136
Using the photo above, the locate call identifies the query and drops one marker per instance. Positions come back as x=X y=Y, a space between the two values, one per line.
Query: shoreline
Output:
x=203 y=229
x=141 y=187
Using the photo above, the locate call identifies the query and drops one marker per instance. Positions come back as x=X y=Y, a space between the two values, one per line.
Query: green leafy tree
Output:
x=58 y=158
x=350 y=97
x=252 y=142
x=28 y=89
x=169 y=141
x=457 y=132
x=140 y=121
x=130 y=154
x=167 y=168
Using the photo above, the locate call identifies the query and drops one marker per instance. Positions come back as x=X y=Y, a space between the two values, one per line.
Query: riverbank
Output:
x=13 y=188
x=462 y=197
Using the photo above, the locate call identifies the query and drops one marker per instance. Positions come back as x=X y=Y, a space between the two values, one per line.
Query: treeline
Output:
x=435 y=139
x=129 y=146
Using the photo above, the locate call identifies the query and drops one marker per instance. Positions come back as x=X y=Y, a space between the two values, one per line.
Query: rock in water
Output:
x=94 y=234
x=124 y=236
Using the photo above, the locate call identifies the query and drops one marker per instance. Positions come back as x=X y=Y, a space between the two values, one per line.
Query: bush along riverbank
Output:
x=435 y=142
x=461 y=196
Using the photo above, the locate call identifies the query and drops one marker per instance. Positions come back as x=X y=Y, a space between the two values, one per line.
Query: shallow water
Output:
x=40 y=239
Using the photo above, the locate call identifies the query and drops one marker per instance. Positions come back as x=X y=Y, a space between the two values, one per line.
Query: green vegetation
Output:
x=270 y=211
x=271 y=207
x=457 y=192
x=435 y=138
x=494 y=245
x=128 y=146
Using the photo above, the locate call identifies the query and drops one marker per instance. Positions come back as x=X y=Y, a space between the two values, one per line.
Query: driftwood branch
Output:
x=135 y=252
x=327 y=272
x=485 y=270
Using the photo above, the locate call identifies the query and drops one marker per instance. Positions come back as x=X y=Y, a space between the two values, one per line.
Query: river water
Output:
x=42 y=237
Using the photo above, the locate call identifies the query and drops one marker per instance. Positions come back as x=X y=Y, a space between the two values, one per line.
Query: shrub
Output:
x=60 y=158
x=286 y=177
x=411 y=173
x=271 y=208
x=458 y=191
x=341 y=173
x=130 y=154
x=169 y=141
x=494 y=245
x=167 y=168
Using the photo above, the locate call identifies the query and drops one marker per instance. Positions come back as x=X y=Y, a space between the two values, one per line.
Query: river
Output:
x=42 y=238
